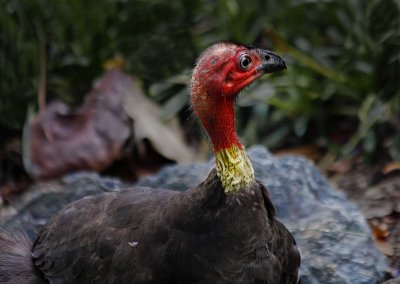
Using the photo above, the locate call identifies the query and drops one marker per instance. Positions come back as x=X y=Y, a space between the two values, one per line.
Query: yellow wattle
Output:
x=234 y=169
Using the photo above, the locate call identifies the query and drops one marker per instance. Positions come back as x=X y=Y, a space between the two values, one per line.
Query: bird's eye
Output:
x=244 y=62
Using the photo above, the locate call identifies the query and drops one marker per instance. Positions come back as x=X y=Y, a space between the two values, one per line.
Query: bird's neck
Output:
x=234 y=168
x=232 y=163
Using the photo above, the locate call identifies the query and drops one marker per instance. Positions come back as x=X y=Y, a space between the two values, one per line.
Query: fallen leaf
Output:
x=380 y=230
x=310 y=151
x=165 y=136
x=391 y=167
x=384 y=247
x=90 y=138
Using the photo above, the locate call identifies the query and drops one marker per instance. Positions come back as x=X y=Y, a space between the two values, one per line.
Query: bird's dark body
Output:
x=160 y=236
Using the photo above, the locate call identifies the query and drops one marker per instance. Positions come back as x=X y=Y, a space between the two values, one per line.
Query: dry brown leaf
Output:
x=385 y=247
x=165 y=136
x=380 y=230
x=391 y=167
x=91 y=138
x=309 y=151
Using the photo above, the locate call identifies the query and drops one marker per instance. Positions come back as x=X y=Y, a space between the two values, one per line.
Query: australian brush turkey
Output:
x=222 y=231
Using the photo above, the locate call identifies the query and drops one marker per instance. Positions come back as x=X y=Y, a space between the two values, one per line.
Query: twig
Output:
x=43 y=66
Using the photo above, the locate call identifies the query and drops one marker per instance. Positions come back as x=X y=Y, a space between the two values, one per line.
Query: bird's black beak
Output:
x=271 y=62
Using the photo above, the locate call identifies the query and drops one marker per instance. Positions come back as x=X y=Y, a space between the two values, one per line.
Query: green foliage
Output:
x=79 y=36
x=344 y=65
x=343 y=58
x=73 y=35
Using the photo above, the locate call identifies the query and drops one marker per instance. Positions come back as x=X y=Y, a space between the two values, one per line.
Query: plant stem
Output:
x=43 y=67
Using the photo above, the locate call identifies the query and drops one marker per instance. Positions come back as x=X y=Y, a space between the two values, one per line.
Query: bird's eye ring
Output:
x=244 y=62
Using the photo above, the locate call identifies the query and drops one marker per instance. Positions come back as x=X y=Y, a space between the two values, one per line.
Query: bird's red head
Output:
x=222 y=71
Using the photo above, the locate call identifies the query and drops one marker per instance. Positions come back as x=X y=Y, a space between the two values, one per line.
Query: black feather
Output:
x=161 y=236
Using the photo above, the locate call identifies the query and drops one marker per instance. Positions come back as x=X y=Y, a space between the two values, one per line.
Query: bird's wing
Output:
x=283 y=247
x=287 y=252
x=95 y=236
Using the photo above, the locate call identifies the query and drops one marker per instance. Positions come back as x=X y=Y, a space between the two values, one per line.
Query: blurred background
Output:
x=338 y=103
x=341 y=91
x=338 y=100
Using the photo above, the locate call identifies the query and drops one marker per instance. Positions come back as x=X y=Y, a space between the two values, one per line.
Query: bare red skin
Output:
x=216 y=81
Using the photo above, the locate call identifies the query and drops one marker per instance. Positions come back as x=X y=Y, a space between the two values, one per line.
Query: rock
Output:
x=332 y=234
x=44 y=199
